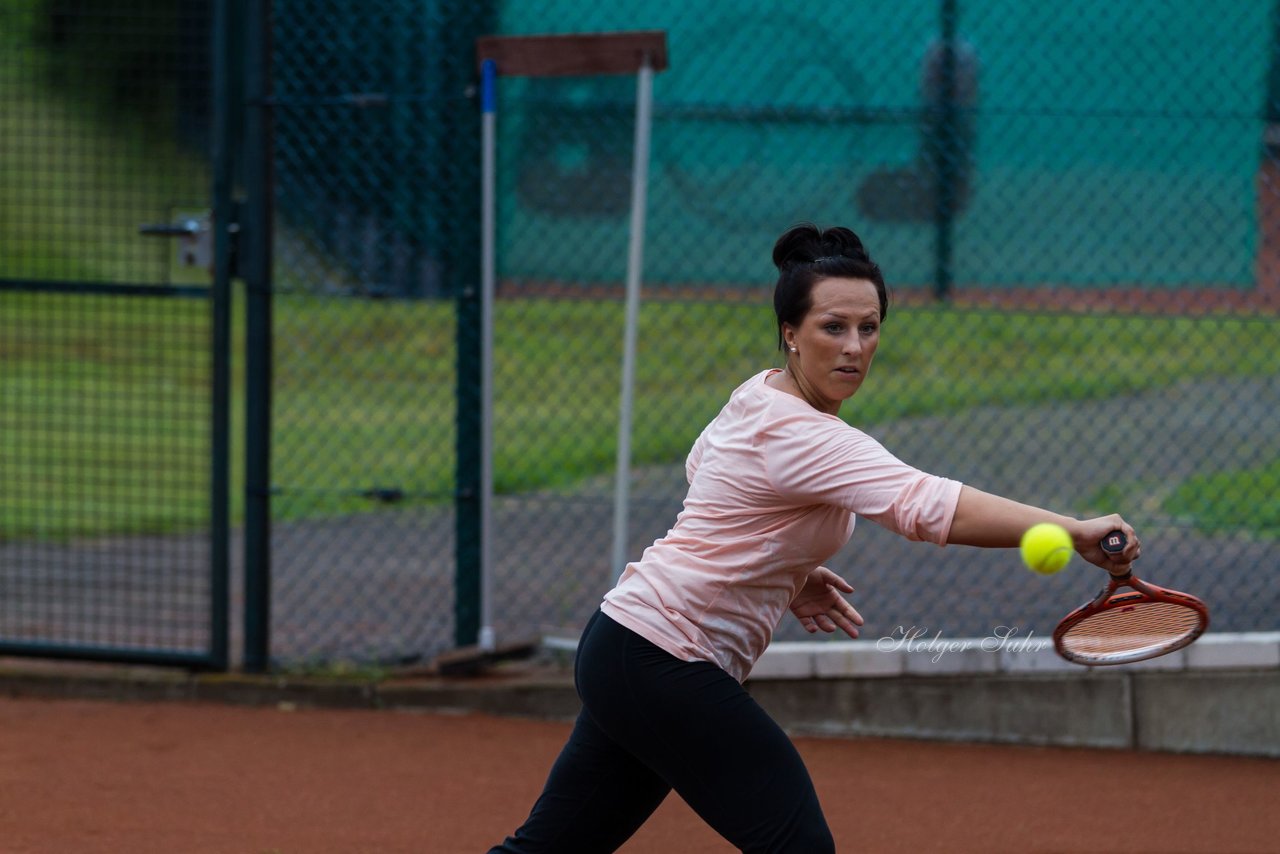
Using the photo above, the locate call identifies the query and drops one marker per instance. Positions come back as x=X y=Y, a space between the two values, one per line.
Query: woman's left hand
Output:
x=819 y=604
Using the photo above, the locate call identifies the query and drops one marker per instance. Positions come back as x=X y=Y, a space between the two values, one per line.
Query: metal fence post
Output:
x=256 y=270
x=226 y=83
x=944 y=166
x=461 y=154
x=468 y=463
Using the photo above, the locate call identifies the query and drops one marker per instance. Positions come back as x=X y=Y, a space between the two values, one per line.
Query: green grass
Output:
x=1227 y=501
x=104 y=422
x=390 y=386
x=1247 y=499
x=364 y=393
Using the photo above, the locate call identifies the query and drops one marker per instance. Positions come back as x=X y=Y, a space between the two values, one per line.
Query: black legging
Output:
x=650 y=723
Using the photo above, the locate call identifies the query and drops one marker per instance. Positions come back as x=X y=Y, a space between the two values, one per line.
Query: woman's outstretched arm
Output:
x=991 y=521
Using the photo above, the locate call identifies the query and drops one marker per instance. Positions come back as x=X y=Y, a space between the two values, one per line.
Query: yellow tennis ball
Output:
x=1046 y=548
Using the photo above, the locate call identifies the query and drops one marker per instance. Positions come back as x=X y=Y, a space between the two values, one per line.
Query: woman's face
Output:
x=830 y=352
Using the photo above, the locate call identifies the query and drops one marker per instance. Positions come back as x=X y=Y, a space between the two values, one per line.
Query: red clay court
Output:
x=189 y=777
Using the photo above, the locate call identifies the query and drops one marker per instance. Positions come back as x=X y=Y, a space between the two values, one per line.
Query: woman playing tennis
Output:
x=775 y=483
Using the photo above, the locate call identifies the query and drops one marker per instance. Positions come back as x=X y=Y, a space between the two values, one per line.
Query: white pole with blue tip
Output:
x=488 y=276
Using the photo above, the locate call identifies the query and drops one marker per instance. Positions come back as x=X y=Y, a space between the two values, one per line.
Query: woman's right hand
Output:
x=1087 y=536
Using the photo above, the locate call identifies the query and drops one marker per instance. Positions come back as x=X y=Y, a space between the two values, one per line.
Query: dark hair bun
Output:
x=806 y=242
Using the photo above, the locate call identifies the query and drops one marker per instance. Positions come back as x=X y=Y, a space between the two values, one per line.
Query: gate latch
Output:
x=195 y=239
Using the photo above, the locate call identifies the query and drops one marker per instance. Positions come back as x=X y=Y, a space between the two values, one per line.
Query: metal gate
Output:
x=358 y=542
x=114 y=345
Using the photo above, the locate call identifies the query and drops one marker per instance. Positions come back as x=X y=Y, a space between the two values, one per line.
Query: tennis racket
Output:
x=1140 y=623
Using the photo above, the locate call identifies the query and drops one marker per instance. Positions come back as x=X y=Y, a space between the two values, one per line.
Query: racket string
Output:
x=1138 y=626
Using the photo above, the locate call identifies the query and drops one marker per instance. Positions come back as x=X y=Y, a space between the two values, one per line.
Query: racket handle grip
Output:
x=1114 y=542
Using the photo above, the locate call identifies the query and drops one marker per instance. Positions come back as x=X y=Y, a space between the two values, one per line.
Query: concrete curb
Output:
x=1225 y=711
x=546 y=693
x=1220 y=695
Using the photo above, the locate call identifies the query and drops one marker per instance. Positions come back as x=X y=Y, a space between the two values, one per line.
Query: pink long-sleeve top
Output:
x=774 y=488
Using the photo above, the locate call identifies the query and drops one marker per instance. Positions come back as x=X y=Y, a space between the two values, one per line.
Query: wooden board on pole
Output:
x=576 y=55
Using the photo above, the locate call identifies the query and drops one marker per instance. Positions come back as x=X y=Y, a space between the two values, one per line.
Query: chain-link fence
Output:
x=375 y=237
x=1074 y=208
x=112 y=521
x=1079 y=184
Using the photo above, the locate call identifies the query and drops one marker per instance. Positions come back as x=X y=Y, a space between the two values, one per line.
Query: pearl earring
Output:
x=793 y=349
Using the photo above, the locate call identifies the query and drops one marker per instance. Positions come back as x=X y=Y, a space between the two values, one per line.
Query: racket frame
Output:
x=1108 y=599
